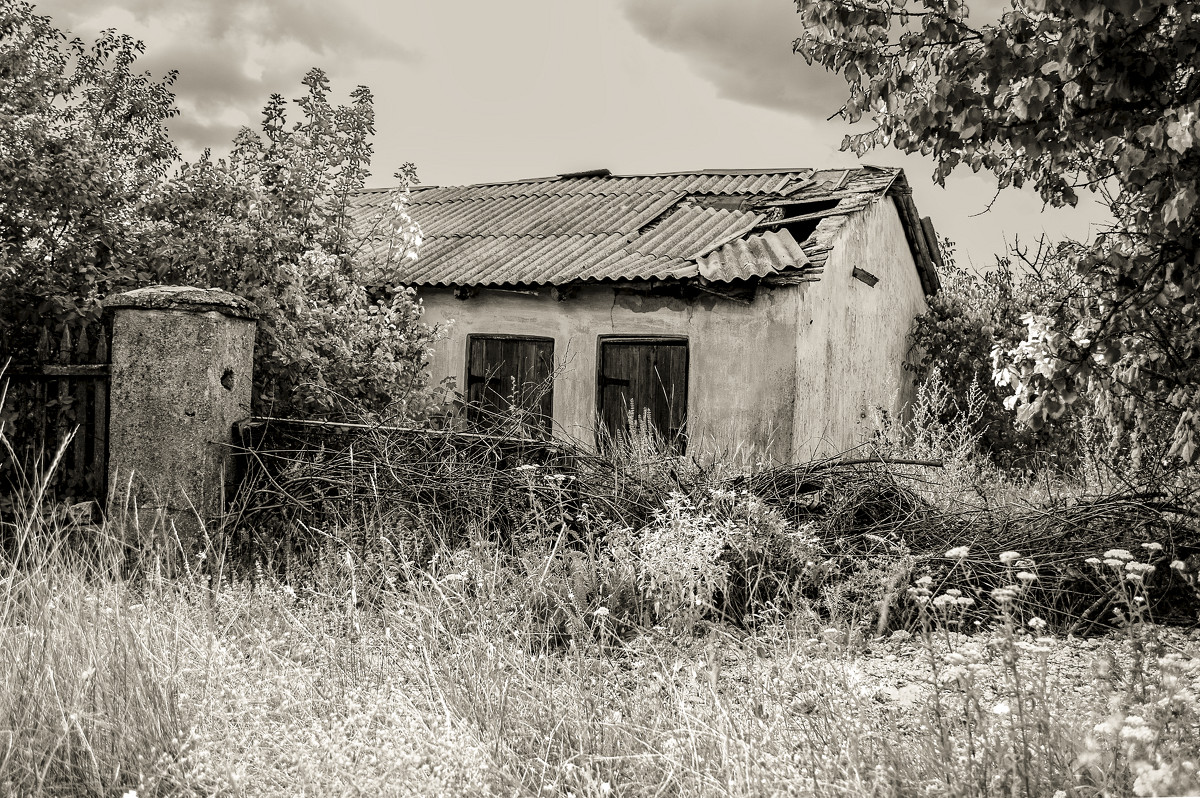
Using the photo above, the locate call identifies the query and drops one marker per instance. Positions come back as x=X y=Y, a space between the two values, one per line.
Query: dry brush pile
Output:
x=646 y=536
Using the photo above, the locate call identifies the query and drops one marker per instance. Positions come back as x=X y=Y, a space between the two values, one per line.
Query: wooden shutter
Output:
x=506 y=372
x=650 y=374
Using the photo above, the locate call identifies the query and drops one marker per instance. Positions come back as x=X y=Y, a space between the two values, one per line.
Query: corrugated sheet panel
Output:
x=525 y=260
x=508 y=260
x=641 y=184
x=753 y=256
x=365 y=206
x=691 y=231
x=539 y=215
x=625 y=265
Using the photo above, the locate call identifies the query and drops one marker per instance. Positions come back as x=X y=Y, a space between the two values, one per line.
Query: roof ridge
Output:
x=595 y=174
x=428 y=236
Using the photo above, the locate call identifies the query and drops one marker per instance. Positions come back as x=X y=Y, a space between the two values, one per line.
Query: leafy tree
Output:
x=82 y=141
x=973 y=315
x=273 y=223
x=1060 y=95
x=94 y=200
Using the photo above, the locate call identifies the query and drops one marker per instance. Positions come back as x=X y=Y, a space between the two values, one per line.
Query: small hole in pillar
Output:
x=227 y=379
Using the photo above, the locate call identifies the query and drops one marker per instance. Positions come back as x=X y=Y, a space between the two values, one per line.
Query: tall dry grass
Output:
x=86 y=705
x=589 y=661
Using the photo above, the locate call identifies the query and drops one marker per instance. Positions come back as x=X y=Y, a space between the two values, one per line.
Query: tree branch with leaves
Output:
x=1060 y=95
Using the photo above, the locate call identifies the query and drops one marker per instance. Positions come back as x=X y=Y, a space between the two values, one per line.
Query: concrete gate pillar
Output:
x=181 y=374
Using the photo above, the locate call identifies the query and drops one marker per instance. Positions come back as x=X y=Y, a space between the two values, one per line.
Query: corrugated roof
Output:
x=691 y=231
x=754 y=256
x=714 y=224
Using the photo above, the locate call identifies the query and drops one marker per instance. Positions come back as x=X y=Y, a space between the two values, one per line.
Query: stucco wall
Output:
x=854 y=337
x=794 y=375
x=181 y=373
x=742 y=358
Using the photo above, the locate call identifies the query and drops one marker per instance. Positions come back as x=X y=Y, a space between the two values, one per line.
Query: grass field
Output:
x=448 y=684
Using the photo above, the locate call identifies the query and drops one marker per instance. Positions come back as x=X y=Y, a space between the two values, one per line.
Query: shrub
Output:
x=726 y=555
x=972 y=315
x=81 y=128
x=336 y=337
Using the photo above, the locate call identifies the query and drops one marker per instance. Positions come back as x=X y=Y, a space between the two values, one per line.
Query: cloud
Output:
x=744 y=47
x=231 y=55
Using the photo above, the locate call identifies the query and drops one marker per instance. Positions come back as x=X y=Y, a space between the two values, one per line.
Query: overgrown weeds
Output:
x=86 y=706
x=645 y=626
x=846 y=535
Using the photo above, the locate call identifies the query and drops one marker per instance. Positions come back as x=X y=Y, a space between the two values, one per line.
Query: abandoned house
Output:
x=761 y=310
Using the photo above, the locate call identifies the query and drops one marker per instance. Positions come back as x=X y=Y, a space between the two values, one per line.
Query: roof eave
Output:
x=919 y=232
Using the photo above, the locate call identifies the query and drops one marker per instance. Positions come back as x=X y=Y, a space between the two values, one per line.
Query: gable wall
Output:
x=742 y=358
x=854 y=338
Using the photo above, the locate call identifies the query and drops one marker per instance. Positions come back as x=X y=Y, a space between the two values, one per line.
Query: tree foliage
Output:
x=82 y=142
x=95 y=200
x=1060 y=95
x=273 y=223
x=977 y=312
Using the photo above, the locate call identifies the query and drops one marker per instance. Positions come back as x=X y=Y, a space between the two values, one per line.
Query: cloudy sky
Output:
x=478 y=90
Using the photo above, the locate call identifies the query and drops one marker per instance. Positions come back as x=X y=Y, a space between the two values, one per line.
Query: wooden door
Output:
x=649 y=377
x=510 y=373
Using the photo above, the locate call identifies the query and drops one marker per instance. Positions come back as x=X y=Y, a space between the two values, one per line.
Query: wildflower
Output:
x=900 y=635
x=1152 y=546
x=1040 y=648
x=925 y=581
x=1136 y=729
x=1035 y=623
x=1027 y=577
x=1178 y=565
x=954 y=673
x=1153 y=781
x=1004 y=595
x=601 y=612
x=1118 y=554
x=958 y=553
x=1092 y=561
x=944 y=600
x=1009 y=557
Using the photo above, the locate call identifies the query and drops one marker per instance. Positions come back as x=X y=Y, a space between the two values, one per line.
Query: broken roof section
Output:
x=718 y=225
